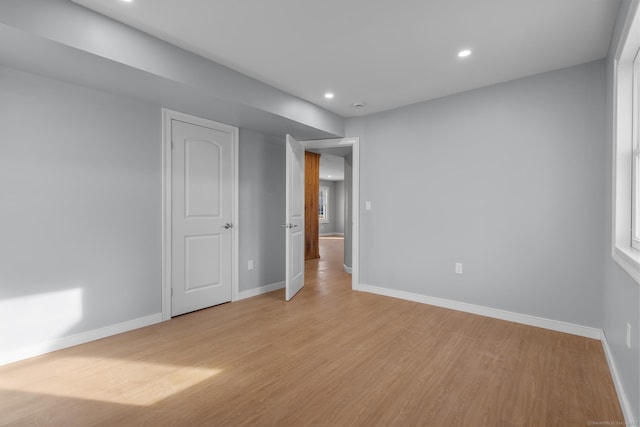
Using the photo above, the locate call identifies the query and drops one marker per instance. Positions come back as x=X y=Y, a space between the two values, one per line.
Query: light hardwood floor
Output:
x=330 y=357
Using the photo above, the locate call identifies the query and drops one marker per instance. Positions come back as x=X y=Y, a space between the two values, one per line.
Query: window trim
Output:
x=623 y=136
x=635 y=155
x=326 y=218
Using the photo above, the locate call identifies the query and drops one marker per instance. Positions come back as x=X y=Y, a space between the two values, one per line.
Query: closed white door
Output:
x=201 y=215
x=294 y=222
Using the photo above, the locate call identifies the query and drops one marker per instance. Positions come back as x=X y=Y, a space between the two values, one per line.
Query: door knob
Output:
x=228 y=225
x=289 y=225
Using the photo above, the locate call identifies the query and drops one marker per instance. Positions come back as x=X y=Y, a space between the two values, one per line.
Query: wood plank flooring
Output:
x=330 y=357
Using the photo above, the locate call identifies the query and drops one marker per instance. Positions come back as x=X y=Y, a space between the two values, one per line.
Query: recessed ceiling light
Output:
x=127 y=1
x=329 y=176
x=464 y=53
x=328 y=95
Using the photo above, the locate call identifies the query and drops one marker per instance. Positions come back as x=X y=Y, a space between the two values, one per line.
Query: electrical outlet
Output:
x=628 y=335
x=458 y=268
x=250 y=264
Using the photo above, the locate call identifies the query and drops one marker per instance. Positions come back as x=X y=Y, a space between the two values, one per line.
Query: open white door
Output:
x=294 y=221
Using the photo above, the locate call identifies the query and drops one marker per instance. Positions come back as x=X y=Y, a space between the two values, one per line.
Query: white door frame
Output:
x=354 y=143
x=167 y=116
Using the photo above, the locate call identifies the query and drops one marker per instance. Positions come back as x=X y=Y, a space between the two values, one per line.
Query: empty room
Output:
x=173 y=250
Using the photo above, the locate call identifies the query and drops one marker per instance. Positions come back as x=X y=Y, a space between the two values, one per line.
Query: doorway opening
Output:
x=295 y=209
x=344 y=228
x=330 y=190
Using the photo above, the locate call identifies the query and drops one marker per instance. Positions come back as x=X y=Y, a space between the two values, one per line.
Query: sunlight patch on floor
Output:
x=108 y=380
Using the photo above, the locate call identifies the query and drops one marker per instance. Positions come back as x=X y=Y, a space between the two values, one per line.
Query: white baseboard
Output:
x=72 y=340
x=617 y=382
x=525 y=319
x=347 y=269
x=331 y=234
x=260 y=290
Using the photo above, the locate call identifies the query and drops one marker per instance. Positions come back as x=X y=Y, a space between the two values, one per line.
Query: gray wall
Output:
x=507 y=179
x=621 y=294
x=262 y=209
x=348 y=219
x=339 y=223
x=80 y=179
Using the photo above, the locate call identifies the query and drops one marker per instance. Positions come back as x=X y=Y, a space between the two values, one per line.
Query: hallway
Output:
x=326 y=273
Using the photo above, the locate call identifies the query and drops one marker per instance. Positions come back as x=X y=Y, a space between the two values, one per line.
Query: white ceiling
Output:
x=332 y=162
x=331 y=167
x=382 y=52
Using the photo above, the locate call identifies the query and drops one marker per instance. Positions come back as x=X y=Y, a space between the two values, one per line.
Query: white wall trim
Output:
x=525 y=319
x=260 y=290
x=166 y=215
x=167 y=116
x=73 y=340
x=627 y=261
x=347 y=269
x=617 y=382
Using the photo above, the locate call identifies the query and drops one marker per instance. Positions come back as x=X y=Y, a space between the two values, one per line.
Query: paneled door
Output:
x=201 y=215
x=294 y=221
